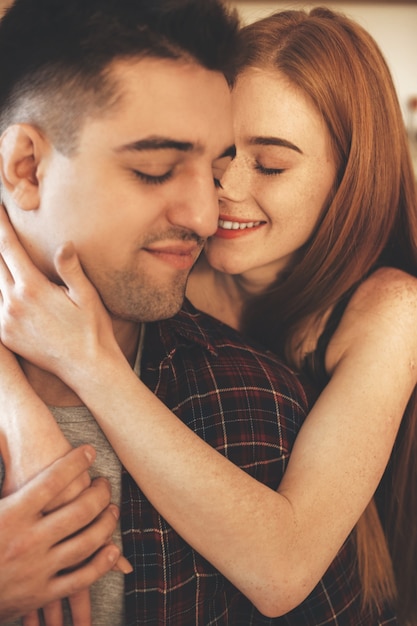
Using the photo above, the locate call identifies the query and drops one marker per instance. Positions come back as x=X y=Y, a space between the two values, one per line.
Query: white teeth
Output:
x=237 y=225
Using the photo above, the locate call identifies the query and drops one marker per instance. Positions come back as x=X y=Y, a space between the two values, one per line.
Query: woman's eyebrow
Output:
x=274 y=141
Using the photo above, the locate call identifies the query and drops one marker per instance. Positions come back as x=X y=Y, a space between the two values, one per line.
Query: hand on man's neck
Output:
x=54 y=392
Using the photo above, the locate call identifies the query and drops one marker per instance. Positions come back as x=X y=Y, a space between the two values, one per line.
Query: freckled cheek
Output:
x=278 y=207
x=316 y=205
x=293 y=223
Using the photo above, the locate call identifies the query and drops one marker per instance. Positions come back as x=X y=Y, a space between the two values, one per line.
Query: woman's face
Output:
x=274 y=189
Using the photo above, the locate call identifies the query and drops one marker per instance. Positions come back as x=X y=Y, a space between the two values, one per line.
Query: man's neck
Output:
x=54 y=392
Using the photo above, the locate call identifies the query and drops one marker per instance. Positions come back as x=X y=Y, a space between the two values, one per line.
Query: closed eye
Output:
x=268 y=171
x=148 y=179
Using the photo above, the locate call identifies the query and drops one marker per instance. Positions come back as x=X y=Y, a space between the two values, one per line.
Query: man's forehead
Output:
x=147 y=71
x=164 y=104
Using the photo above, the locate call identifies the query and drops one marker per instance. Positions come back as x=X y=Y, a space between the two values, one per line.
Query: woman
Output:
x=315 y=257
x=325 y=285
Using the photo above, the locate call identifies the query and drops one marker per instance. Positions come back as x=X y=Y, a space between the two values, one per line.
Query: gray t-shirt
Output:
x=107 y=594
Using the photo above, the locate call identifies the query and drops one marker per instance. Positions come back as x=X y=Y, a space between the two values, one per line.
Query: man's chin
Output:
x=159 y=307
x=162 y=305
x=161 y=314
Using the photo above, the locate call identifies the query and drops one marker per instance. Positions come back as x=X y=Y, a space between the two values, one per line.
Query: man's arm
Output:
x=35 y=548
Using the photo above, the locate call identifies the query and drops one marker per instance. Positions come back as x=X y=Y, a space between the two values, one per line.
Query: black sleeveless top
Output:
x=314 y=366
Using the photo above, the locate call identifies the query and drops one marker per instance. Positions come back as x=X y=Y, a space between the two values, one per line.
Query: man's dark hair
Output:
x=55 y=54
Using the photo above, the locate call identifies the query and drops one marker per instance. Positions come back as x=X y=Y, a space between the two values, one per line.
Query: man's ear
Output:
x=20 y=155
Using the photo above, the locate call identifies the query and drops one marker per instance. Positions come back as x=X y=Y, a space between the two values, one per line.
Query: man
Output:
x=116 y=123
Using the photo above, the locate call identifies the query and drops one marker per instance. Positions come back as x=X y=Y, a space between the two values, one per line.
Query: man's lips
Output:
x=230 y=228
x=180 y=256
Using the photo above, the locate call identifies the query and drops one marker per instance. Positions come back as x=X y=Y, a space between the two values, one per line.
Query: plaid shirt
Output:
x=249 y=407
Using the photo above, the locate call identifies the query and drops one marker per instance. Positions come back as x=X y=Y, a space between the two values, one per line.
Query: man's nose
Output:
x=197 y=208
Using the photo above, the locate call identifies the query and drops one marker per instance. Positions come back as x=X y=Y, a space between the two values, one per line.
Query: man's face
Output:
x=139 y=196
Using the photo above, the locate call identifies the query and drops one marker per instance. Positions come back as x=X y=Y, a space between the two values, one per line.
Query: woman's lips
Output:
x=232 y=228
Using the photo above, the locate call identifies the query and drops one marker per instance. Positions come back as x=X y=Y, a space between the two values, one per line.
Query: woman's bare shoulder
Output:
x=387 y=289
x=382 y=314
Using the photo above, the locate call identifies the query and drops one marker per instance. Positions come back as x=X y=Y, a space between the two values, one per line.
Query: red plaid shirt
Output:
x=249 y=407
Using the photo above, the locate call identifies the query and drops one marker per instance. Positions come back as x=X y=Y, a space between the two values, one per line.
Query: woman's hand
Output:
x=53 y=326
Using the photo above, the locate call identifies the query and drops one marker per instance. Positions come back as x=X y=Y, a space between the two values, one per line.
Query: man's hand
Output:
x=38 y=552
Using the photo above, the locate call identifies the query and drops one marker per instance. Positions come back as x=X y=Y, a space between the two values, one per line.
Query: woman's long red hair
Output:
x=370 y=220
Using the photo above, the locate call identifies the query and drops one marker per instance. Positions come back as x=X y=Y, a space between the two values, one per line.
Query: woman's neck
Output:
x=221 y=295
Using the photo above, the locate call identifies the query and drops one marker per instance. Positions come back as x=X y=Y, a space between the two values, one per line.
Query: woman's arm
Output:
x=22 y=457
x=336 y=463
x=274 y=546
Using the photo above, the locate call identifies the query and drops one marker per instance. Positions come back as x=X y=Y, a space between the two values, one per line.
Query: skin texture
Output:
x=138 y=260
x=278 y=182
x=127 y=159
x=281 y=176
x=325 y=487
x=140 y=154
x=342 y=449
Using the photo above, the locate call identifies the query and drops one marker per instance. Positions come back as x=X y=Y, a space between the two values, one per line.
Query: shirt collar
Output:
x=190 y=327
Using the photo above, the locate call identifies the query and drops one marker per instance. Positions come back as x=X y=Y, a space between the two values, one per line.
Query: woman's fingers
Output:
x=68 y=267
x=14 y=256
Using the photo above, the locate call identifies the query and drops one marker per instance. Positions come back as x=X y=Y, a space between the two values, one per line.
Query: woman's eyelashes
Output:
x=268 y=171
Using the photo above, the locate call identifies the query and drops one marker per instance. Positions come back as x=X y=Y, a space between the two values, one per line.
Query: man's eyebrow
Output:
x=165 y=143
x=274 y=141
x=158 y=143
